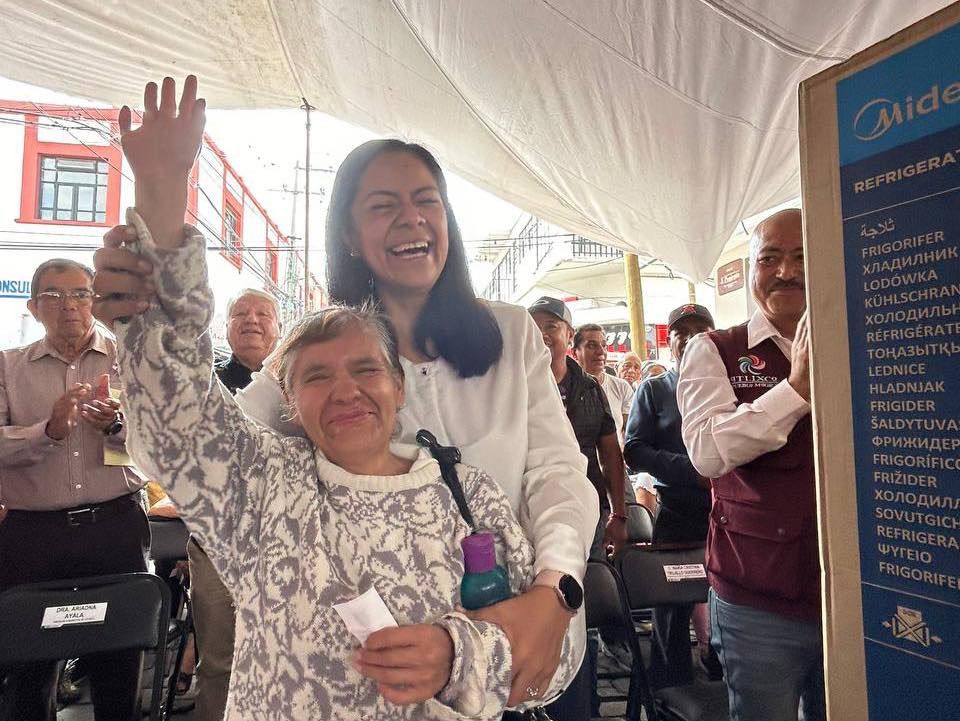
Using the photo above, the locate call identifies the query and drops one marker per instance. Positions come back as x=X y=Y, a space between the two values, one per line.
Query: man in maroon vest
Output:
x=744 y=396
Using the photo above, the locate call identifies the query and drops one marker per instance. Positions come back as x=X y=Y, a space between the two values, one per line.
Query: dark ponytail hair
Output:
x=454 y=324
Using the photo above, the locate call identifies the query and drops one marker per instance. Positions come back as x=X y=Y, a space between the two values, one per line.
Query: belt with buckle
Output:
x=81 y=515
x=96 y=511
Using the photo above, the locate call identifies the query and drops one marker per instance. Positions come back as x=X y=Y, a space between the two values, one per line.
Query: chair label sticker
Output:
x=83 y=613
x=684 y=572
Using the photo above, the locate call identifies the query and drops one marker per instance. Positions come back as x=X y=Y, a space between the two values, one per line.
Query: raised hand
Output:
x=161 y=152
x=166 y=144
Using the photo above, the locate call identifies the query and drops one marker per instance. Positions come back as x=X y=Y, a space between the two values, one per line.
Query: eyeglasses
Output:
x=61 y=296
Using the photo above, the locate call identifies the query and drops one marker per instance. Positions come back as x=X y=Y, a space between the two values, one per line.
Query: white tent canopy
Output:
x=652 y=125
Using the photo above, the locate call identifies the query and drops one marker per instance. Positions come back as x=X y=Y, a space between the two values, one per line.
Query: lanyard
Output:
x=448 y=457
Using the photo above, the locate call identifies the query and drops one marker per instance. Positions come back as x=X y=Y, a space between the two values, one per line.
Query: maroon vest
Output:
x=762 y=544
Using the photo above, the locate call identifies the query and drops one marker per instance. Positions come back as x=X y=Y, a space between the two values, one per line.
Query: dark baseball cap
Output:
x=690 y=310
x=554 y=306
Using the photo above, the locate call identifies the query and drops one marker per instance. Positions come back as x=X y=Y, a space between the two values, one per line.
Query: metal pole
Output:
x=638 y=330
x=306 y=214
x=296 y=192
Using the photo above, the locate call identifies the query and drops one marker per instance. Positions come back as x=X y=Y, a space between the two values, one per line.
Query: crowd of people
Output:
x=300 y=468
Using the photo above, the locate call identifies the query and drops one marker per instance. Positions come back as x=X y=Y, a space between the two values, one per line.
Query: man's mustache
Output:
x=785 y=285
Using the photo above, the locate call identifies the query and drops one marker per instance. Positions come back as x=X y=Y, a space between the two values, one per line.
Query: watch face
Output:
x=572 y=592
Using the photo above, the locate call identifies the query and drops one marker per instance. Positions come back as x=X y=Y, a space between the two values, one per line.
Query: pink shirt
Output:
x=38 y=473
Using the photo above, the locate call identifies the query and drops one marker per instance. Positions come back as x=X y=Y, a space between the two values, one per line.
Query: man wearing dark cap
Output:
x=653 y=444
x=593 y=424
x=744 y=396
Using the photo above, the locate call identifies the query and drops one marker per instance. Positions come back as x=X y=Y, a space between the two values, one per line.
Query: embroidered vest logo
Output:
x=751 y=364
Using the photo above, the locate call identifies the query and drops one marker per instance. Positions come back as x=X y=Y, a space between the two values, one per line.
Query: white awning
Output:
x=652 y=125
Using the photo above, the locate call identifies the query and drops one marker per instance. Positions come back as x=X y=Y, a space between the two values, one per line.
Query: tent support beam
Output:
x=638 y=330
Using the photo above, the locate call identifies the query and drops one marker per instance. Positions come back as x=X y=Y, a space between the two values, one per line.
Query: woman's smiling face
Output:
x=346 y=395
x=400 y=224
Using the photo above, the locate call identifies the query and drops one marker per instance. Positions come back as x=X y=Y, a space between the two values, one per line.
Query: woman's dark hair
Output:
x=454 y=324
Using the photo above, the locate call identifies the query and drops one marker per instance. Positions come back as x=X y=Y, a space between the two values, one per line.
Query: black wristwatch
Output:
x=567 y=588
x=115 y=427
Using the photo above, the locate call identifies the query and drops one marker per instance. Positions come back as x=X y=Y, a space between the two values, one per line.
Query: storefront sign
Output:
x=14 y=288
x=730 y=276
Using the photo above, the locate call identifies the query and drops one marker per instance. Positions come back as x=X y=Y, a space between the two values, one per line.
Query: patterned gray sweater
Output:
x=292 y=534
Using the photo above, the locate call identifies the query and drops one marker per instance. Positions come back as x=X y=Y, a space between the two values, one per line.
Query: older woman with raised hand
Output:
x=477 y=374
x=299 y=526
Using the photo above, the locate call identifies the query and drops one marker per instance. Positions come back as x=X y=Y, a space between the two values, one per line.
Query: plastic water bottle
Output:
x=484 y=583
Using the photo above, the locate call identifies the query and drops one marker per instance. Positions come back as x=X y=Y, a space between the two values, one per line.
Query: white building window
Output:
x=232 y=238
x=73 y=189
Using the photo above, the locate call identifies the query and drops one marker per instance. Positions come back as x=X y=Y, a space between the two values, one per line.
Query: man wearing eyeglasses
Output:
x=68 y=513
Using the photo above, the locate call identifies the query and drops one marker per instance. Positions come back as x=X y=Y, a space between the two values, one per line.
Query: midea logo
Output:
x=880 y=114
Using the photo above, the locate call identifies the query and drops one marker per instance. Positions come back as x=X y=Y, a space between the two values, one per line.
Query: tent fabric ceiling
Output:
x=652 y=125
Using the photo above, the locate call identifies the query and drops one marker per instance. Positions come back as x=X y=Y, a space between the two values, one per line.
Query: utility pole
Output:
x=296 y=192
x=638 y=330
x=307 y=107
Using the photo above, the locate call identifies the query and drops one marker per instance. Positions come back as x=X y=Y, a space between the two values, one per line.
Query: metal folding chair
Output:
x=606 y=608
x=664 y=575
x=135 y=609
x=168 y=544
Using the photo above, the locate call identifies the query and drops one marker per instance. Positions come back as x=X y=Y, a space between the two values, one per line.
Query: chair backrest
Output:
x=136 y=616
x=601 y=598
x=660 y=575
x=606 y=608
x=168 y=539
x=639 y=524
x=128 y=610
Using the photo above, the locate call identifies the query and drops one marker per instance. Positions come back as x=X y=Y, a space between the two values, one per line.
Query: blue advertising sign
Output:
x=907 y=96
x=899 y=124
x=14 y=288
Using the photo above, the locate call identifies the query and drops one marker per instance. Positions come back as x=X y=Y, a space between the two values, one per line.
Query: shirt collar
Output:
x=43 y=347
x=759 y=329
x=234 y=363
x=574 y=370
